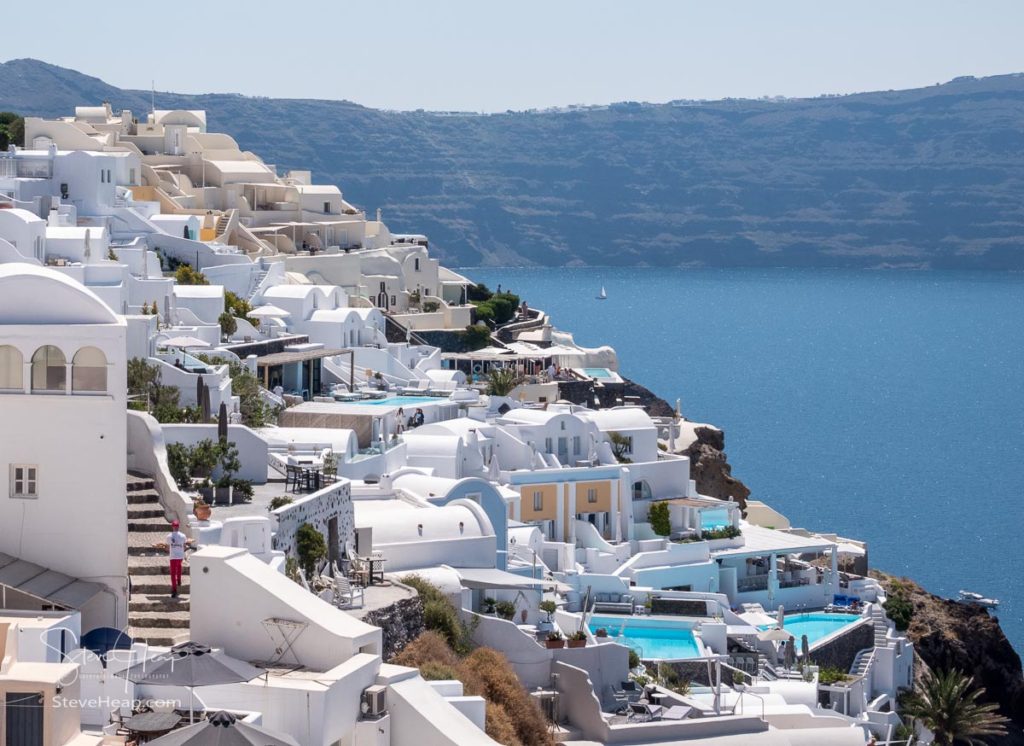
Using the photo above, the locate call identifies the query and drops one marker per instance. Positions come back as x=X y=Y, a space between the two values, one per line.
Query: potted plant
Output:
x=601 y=632
x=201 y=509
x=489 y=605
x=549 y=608
x=738 y=680
x=227 y=455
x=203 y=456
x=205 y=489
x=505 y=609
x=578 y=639
x=241 y=490
x=554 y=640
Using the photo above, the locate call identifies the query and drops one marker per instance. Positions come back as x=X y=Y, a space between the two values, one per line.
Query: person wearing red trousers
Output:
x=176 y=543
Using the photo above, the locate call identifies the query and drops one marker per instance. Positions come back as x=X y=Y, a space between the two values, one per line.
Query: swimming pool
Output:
x=651 y=638
x=815 y=625
x=598 y=372
x=396 y=401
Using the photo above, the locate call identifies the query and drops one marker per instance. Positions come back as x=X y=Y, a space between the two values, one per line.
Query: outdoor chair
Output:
x=291 y=479
x=645 y=712
x=346 y=595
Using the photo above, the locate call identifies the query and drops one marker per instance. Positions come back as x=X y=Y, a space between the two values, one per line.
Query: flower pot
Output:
x=222 y=496
x=207 y=494
x=554 y=644
x=577 y=643
x=202 y=510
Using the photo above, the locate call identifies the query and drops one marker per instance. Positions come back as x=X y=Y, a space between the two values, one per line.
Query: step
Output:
x=149 y=525
x=155 y=564
x=145 y=510
x=161 y=637
x=155 y=585
x=142 y=497
x=163 y=619
x=137 y=484
x=143 y=602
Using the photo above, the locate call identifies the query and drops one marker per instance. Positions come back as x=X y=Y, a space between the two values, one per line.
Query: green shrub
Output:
x=634 y=659
x=658 y=518
x=185 y=275
x=723 y=532
x=279 y=502
x=899 y=608
x=435 y=671
x=505 y=609
x=179 y=463
x=431 y=306
x=440 y=615
x=310 y=548
x=228 y=325
x=475 y=337
x=829 y=675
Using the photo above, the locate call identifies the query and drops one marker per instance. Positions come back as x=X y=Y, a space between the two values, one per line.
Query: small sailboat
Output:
x=602 y=295
x=969 y=597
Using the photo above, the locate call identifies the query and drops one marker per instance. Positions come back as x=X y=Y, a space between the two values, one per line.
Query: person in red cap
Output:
x=176 y=544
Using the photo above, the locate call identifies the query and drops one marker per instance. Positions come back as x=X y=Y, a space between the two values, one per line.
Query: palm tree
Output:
x=947 y=704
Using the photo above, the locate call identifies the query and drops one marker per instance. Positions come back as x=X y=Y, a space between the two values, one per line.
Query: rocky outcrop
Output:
x=949 y=634
x=400 y=623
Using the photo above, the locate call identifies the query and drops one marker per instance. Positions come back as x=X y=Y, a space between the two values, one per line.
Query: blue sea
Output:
x=884 y=406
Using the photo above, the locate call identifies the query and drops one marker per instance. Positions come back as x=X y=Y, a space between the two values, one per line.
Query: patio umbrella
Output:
x=268 y=312
x=790 y=655
x=780 y=618
x=223 y=729
x=775 y=634
x=185 y=342
x=849 y=550
x=191 y=664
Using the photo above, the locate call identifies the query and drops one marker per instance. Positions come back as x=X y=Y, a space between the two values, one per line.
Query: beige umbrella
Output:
x=775 y=634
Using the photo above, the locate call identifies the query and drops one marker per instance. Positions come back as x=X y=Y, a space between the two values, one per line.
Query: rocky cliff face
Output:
x=948 y=634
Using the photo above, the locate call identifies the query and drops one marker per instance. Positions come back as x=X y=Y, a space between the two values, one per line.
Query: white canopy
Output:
x=268 y=312
x=480 y=578
x=185 y=342
x=775 y=634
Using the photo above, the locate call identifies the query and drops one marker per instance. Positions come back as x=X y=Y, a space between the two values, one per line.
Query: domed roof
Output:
x=31 y=294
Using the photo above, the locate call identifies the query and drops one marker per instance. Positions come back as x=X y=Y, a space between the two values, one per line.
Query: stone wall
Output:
x=840 y=652
x=317 y=509
x=679 y=606
x=400 y=624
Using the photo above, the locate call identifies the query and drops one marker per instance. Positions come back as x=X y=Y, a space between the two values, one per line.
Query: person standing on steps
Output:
x=176 y=544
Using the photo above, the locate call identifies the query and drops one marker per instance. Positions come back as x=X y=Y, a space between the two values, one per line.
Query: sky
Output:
x=480 y=55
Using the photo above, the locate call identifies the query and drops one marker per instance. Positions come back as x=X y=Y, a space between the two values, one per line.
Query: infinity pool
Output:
x=816 y=625
x=396 y=401
x=598 y=372
x=651 y=638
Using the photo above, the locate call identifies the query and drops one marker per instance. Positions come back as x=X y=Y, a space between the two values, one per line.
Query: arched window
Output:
x=642 y=490
x=48 y=371
x=89 y=372
x=11 y=369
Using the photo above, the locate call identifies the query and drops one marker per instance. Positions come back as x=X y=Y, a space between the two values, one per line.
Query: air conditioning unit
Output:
x=373 y=704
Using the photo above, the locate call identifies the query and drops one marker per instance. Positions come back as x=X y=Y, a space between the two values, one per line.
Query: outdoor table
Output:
x=152 y=724
x=377 y=568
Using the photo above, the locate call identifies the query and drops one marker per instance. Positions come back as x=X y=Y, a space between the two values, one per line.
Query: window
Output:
x=416 y=264
x=103 y=176
x=547 y=445
x=24 y=480
x=576 y=447
x=11 y=368
x=629 y=443
x=109 y=179
x=591 y=494
x=563 y=426
x=89 y=372
x=131 y=175
x=393 y=301
x=327 y=207
x=538 y=500
x=49 y=371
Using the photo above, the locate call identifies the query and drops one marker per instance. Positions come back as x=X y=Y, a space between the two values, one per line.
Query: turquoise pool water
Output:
x=816 y=625
x=651 y=638
x=598 y=372
x=396 y=401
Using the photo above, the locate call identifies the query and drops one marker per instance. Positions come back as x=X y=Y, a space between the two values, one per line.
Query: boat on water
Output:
x=602 y=295
x=970 y=597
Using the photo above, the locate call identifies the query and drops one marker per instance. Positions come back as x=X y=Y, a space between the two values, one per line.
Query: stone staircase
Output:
x=256 y=283
x=153 y=615
x=865 y=658
x=222 y=224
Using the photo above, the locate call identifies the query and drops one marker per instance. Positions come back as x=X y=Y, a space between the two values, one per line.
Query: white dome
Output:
x=30 y=294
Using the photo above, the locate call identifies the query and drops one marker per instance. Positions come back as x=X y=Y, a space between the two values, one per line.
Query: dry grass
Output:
x=513 y=718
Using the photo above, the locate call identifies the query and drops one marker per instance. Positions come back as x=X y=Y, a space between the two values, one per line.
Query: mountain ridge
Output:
x=922 y=178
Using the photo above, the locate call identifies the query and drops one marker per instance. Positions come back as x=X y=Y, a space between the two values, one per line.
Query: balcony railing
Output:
x=752 y=583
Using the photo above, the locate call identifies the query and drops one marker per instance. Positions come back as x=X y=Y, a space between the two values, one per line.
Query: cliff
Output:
x=948 y=634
